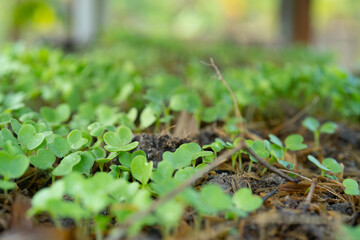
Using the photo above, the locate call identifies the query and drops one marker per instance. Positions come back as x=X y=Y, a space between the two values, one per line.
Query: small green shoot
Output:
x=313 y=125
x=11 y=167
x=328 y=164
x=351 y=187
x=119 y=141
x=246 y=201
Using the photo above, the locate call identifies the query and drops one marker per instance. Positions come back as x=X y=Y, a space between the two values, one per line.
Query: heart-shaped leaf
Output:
x=294 y=142
x=163 y=172
x=195 y=150
x=43 y=160
x=119 y=140
x=66 y=165
x=178 y=159
x=76 y=140
x=213 y=199
x=60 y=147
x=246 y=201
x=351 y=187
x=29 y=138
x=15 y=125
x=259 y=148
x=12 y=166
x=56 y=116
x=141 y=169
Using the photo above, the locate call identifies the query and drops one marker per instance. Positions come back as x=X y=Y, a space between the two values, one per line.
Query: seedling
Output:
x=351 y=187
x=56 y=116
x=66 y=165
x=246 y=201
x=119 y=141
x=43 y=160
x=11 y=167
x=277 y=149
x=29 y=138
x=141 y=169
x=76 y=139
x=328 y=164
x=313 y=125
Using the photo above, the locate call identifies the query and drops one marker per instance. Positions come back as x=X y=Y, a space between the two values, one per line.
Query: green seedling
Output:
x=119 y=141
x=11 y=167
x=313 y=125
x=15 y=125
x=278 y=150
x=86 y=162
x=196 y=152
x=141 y=169
x=59 y=146
x=76 y=139
x=148 y=117
x=216 y=147
x=178 y=159
x=56 y=116
x=66 y=165
x=328 y=164
x=259 y=148
x=246 y=201
x=43 y=160
x=351 y=187
x=29 y=138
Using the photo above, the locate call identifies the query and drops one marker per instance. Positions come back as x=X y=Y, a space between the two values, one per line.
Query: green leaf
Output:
x=195 y=150
x=15 y=125
x=7 y=135
x=294 y=142
x=85 y=164
x=125 y=148
x=213 y=199
x=351 y=187
x=56 y=116
x=60 y=147
x=163 y=172
x=286 y=164
x=119 y=140
x=66 y=165
x=147 y=117
x=178 y=159
x=317 y=163
x=332 y=165
x=328 y=127
x=170 y=213
x=5 y=118
x=125 y=159
x=141 y=169
x=29 y=138
x=5 y=185
x=96 y=129
x=246 y=201
x=274 y=139
x=76 y=140
x=311 y=123
x=184 y=173
x=43 y=160
x=259 y=148
x=12 y=166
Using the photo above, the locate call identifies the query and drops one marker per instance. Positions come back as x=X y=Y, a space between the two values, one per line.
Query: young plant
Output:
x=277 y=149
x=327 y=165
x=119 y=141
x=351 y=187
x=314 y=126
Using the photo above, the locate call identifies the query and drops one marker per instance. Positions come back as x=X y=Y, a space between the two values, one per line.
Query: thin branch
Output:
x=310 y=194
x=236 y=105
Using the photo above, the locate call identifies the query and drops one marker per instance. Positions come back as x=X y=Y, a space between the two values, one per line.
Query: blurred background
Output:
x=324 y=25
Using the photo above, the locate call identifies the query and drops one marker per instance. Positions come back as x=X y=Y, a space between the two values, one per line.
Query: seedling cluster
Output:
x=83 y=139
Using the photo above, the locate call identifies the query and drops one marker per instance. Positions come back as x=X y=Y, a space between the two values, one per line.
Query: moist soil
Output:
x=284 y=214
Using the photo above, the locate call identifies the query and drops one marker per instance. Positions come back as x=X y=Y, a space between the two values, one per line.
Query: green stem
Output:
x=317 y=139
x=250 y=166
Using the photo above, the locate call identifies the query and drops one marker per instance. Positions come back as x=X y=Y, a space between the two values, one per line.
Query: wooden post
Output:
x=295 y=21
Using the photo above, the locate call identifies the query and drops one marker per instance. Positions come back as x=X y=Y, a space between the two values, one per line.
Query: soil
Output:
x=284 y=214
